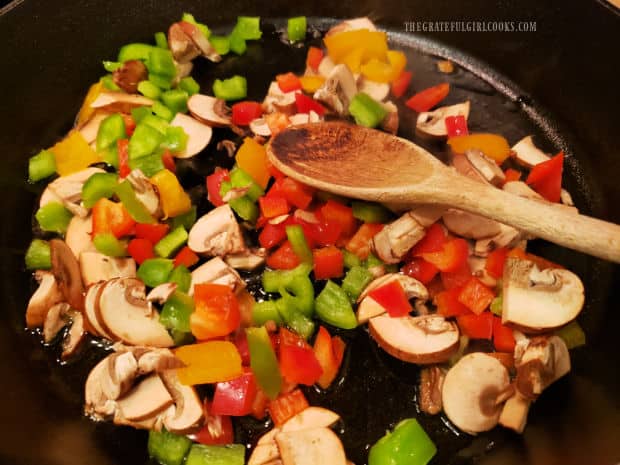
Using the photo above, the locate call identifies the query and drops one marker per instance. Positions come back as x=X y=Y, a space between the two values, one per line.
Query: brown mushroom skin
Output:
x=129 y=75
x=66 y=270
x=431 y=382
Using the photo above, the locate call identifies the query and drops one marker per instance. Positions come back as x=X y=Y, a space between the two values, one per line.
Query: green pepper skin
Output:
x=408 y=444
x=332 y=306
x=264 y=362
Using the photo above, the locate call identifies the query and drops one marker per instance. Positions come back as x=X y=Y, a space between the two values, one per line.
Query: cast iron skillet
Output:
x=556 y=82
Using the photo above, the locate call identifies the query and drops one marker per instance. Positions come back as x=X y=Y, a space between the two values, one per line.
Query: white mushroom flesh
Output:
x=338 y=90
x=395 y=239
x=96 y=267
x=145 y=192
x=432 y=123
x=527 y=154
x=47 y=294
x=216 y=271
x=468 y=225
x=211 y=110
x=378 y=91
x=120 y=102
x=198 y=135
x=486 y=167
x=248 y=260
x=79 y=235
x=278 y=101
x=311 y=447
x=217 y=233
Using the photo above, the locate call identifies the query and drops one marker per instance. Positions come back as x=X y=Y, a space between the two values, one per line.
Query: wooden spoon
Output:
x=372 y=165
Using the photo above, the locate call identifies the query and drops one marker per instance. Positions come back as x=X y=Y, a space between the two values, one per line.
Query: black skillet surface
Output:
x=50 y=53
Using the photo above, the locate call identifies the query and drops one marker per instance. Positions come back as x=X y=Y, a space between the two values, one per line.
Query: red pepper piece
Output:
x=313 y=60
x=428 y=98
x=546 y=178
x=298 y=364
x=448 y=304
x=329 y=352
x=336 y=212
x=130 y=124
x=294 y=192
x=214 y=183
x=168 y=160
x=503 y=336
x=421 y=270
x=284 y=258
x=273 y=205
x=476 y=296
x=328 y=262
x=241 y=342
x=401 y=83
x=451 y=257
x=476 y=326
x=433 y=241
x=244 y=112
x=495 y=262
x=217 y=311
x=122 y=146
x=108 y=216
x=235 y=397
x=217 y=429
x=456 y=125
x=140 y=250
x=288 y=82
x=392 y=297
x=456 y=278
x=152 y=232
x=272 y=235
x=307 y=104
x=359 y=244
x=186 y=257
x=511 y=175
x=286 y=406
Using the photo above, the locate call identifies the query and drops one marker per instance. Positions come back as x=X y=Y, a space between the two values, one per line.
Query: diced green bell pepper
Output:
x=108 y=244
x=496 y=305
x=111 y=66
x=296 y=28
x=240 y=178
x=350 y=259
x=299 y=294
x=355 y=281
x=263 y=361
x=265 y=311
x=162 y=111
x=168 y=448
x=234 y=88
x=161 y=81
x=296 y=237
x=155 y=271
x=41 y=166
x=189 y=84
x=231 y=454
x=295 y=319
x=176 y=100
x=161 y=40
x=572 y=334
x=189 y=18
x=144 y=141
x=161 y=63
x=366 y=111
x=148 y=89
x=149 y=165
x=139 y=113
x=237 y=44
x=332 y=305
x=156 y=122
x=248 y=27
x=177 y=311
x=242 y=206
x=111 y=129
x=176 y=139
x=182 y=277
x=135 y=51
x=171 y=242
x=98 y=186
x=134 y=207
x=110 y=156
x=108 y=82
x=186 y=219
x=53 y=217
x=38 y=255
x=408 y=444
x=370 y=212
x=221 y=44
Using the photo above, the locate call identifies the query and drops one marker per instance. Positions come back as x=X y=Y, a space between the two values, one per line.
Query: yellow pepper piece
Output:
x=73 y=154
x=86 y=111
x=252 y=158
x=398 y=61
x=174 y=200
x=311 y=84
x=353 y=59
x=209 y=362
x=492 y=145
x=380 y=71
x=374 y=44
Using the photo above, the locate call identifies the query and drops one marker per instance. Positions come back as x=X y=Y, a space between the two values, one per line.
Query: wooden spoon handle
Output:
x=545 y=220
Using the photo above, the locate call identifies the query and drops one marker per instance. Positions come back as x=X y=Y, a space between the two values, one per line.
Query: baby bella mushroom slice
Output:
x=47 y=295
x=433 y=123
x=216 y=271
x=535 y=300
x=217 y=233
x=188 y=412
x=147 y=398
x=394 y=241
x=527 y=154
x=90 y=310
x=338 y=90
x=486 y=166
x=473 y=392
x=311 y=447
x=469 y=225
x=423 y=339
x=198 y=135
x=97 y=267
x=120 y=102
x=78 y=236
x=125 y=313
x=213 y=111
x=66 y=270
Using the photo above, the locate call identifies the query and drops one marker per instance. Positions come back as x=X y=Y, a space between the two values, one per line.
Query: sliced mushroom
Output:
x=394 y=241
x=514 y=413
x=278 y=101
x=422 y=339
x=473 y=391
x=338 y=90
x=198 y=135
x=260 y=127
x=183 y=70
x=66 y=270
x=68 y=191
x=216 y=271
x=247 y=260
x=477 y=266
x=522 y=190
x=124 y=312
x=79 y=235
x=228 y=145
x=47 y=294
x=486 y=167
x=183 y=48
x=527 y=154
x=391 y=121
x=326 y=66
x=129 y=75
x=120 y=102
x=162 y=293
x=469 y=225
x=311 y=447
x=464 y=166
x=55 y=320
x=90 y=310
x=309 y=418
x=96 y=404
x=537 y=300
x=217 y=233
x=431 y=384
x=376 y=90
x=97 y=267
x=122 y=371
x=264 y=454
x=432 y=123
x=352 y=25
x=145 y=192
x=566 y=198
x=74 y=336
x=149 y=397
x=210 y=110
x=90 y=128
x=201 y=41
x=507 y=237
x=188 y=412
x=158 y=360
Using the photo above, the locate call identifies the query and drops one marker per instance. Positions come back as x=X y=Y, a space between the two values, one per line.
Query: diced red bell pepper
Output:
x=451 y=256
x=325 y=233
x=151 y=232
x=456 y=126
x=288 y=82
x=313 y=60
x=392 y=297
x=244 y=112
x=307 y=104
x=108 y=216
x=476 y=326
x=428 y=98
x=401 y=83
x=447 y=303
x=130 y=124
x=277 y=121
x=241 y=342
x=329 y=353
x=511 y=175
x=259 y=406
x=217 y=430
x=298 y=364
x=476 y=296
x=122 y=146
x=216 y=313
x=336 y=212
x=273 y=205
x=328 y=262
x=359 y=244
x=433 y=241
x=272 y=235
x=275 y=172
x=495 y=262
x=140 y=250
x=541 y=263
x=456 y=278
x=503 y=336
x=546 y=178
x=235 y=397
x=214 y=184
x=294 y=192
x=284 y=258
x=286 y=406
x=420 y=269
x=168 y=161
x=186 y=257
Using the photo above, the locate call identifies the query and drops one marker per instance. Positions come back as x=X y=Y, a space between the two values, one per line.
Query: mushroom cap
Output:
x=537 y=300
x=311 y=447
x=471 y=391
x=66 y=270
x=120 y=102
x=423 y=339
x=211 y=110
x=78 y=236
x=198 y=135
x=216 y=233
x=216 y=271
x=90 y=310
x=432 y=123
x=124 y=312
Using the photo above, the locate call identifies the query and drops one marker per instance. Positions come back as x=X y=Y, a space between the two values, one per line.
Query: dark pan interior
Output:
x=556 y=83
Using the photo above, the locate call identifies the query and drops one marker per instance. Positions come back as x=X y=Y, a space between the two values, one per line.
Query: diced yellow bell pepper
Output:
x=73 y=154
x=374 y=44
x=492 y=145
x=174 y=200
x=398 y=61
x=380 y=71
x=311 y=84
x=252 y=158
x=86 y=111
x=353 y=59
x=209 y=362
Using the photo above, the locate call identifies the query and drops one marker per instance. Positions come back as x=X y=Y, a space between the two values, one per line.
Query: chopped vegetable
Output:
x=98 y=186
x=181 y=276
x=133 y=206
x=428 y=98
x=73 y=154
x=333 y=306
x=392 y=298
x=155 y=271
x=288 y=82
x=168 y=448
x=264 y=362
x=401 y=83
x=329 y=352
x=41 y=166
x=235 y=397
x=328 y=262
x=493 y=146
x=286 y=406
x=546 y=178
x=208 y=362
x=456 y=126
x=140 y=250
x=53 y=217
x=503 y=337
x=243 y=113
x=311 y=84
x=370 y=212
x=231 y=454
x=408 y=444
x=297 y=239
x=252 y=159
x=174 y=200
x=451 y=256
x=248 y=27
x=234 y=88
x=476 y=296
x=175 y=314
x=355 y=281
x=298 y=364
x=108 y=216
x=307 y=104
x=172 y=242
x=366 y=111
x=313 y=60
x=38 y=256
x=572 y=334
x=476 y=326
x=297 y=28
x=217 y=311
